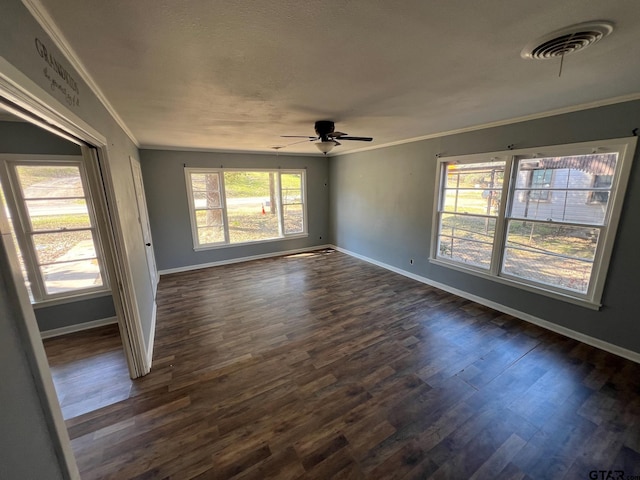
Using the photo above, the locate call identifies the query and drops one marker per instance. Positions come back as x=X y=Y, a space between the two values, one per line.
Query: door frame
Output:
x=40 y=108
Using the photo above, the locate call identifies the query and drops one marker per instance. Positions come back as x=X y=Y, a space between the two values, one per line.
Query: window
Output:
x=601 y=188
x=231 y=207
x=540 y=183
x=552 y=233
x=53 y=225
x=470 y=204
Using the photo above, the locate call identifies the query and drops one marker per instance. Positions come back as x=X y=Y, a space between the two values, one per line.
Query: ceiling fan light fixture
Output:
x=326 y=146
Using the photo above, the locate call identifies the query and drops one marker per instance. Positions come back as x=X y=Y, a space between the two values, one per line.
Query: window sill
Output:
x=255 y=242
x=582 y=302
x=69 y=299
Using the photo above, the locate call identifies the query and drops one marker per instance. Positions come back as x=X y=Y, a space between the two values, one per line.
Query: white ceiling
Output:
x=234 y=75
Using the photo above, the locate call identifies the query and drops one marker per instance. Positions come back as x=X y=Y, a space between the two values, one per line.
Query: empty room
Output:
x=294 y=240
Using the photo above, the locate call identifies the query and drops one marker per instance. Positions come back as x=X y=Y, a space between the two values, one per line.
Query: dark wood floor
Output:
x=322 y=366
x=89 y=370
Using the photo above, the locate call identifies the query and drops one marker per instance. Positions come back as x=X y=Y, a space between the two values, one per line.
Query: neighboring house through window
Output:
x=601 y=187
x=486 y=222
x=230 y=207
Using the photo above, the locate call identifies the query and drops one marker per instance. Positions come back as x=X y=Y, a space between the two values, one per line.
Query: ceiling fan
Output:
x=326 y=137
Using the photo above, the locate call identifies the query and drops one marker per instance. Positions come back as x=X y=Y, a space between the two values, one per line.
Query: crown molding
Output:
x=535 y=116
x=40 y=13
x=273 y=153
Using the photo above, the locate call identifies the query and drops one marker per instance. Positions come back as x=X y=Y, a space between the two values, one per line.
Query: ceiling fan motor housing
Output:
x=324 y=128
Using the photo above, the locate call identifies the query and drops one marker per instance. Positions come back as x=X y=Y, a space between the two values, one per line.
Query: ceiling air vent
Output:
x=566 y=41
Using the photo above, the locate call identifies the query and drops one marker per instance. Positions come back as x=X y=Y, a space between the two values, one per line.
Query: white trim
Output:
x=625 y=147
x=78 y=327
x=199 y=266
x=223 y=208
x=567 y=332
x=24 y=92
x=41 y=15
x=17 y=202
x=499 y=123
x=152 y=336
x=517 y=283
x=217 y=246
x=280 y=153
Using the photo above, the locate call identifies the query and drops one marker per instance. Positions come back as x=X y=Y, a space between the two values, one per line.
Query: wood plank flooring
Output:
x=320 y=366
x=89 y=370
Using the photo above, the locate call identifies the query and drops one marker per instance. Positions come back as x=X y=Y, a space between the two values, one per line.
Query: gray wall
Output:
x=166 y=192
x=21 y=137
x=26 y=451
x=381 y=206
x=74 y=313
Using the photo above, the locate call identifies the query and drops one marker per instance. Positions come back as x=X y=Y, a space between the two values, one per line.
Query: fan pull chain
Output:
x=564 y=50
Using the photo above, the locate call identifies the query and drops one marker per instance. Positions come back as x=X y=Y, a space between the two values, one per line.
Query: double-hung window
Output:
x=542 y=219
x=230 y=207
x=53 y=224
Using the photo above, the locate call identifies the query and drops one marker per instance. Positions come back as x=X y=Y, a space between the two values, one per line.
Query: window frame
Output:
x=197 y=246
x=625 y=147
x=21 y=225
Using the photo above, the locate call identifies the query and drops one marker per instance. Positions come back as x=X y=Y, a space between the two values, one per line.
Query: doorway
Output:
x=50 y=197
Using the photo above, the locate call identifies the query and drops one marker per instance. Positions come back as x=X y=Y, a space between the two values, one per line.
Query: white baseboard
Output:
x=567 y=332
x=56 y=332
x=152 y=337
x=241 y=259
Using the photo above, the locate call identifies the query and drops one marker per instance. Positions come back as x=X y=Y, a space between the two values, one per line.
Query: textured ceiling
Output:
x=235 y=75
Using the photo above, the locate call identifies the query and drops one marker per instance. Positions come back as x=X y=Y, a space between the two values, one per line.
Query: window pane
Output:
x=476 y=175
x=210 y=226
x=39 y=181
x=467 y=239
x=209 y=199
x=209 y=218
x=210 y=235
x=478 y=201
x=64 y=246
x=23 y=268
x=568 y=194
x=251 y=206
x=69 y=276
x=293 y=219
x=603 y=184
x=206 y=190
x=291 y=187
x=473 y=188
x=551 y=254
x=58 y=214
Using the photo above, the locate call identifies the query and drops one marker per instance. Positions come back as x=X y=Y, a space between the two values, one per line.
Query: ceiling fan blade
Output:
x=306 y=139
x=298 y=136
x=360 y=139
x=337 y=134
